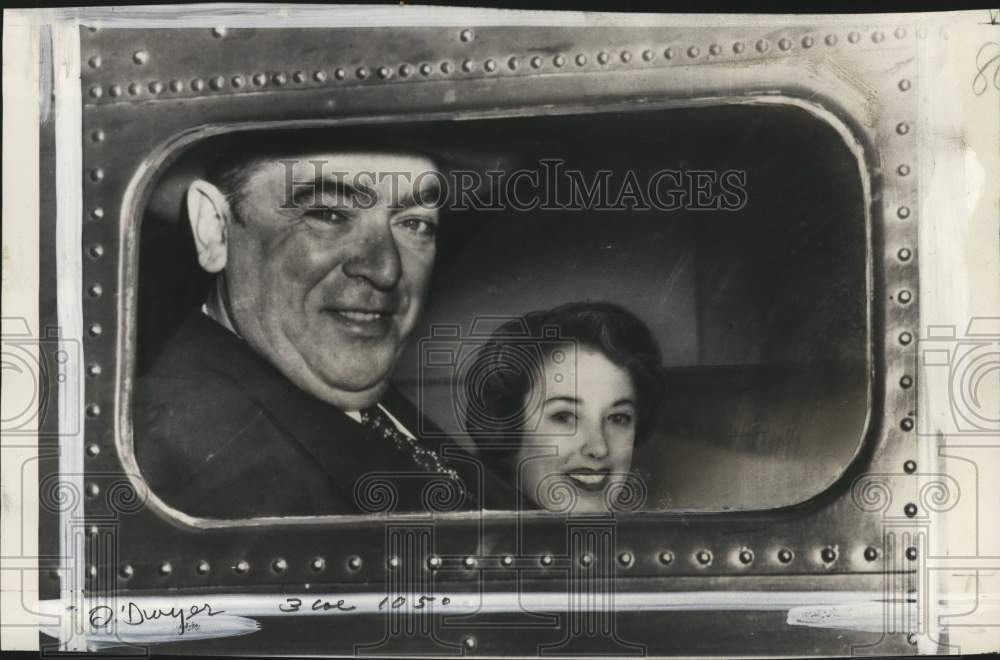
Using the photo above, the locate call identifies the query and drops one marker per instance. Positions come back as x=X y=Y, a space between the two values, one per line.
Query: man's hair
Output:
x=506 y=368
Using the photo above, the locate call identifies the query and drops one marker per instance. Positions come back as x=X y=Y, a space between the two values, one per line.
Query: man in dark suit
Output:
x=274 y=399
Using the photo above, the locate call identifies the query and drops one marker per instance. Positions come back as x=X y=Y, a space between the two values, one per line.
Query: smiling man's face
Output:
x=329 y=287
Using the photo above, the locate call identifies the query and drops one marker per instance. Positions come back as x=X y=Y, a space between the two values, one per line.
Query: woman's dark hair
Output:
x=504 y=370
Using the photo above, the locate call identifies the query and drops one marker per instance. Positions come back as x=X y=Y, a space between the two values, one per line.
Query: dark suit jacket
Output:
x=221 y=433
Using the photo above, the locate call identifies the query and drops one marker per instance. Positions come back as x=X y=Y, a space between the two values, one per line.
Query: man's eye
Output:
x=420 y=226
x=325 y=214
x=622 y=419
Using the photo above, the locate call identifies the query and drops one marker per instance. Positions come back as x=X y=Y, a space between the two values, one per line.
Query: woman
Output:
x=558 y=399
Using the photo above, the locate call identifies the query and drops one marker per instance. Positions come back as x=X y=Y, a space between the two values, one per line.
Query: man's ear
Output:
x=210 y=215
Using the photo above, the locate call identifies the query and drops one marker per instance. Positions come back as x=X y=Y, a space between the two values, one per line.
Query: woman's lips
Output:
x=592 y=480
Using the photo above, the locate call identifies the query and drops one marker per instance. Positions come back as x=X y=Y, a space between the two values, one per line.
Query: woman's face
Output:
x=580 y=430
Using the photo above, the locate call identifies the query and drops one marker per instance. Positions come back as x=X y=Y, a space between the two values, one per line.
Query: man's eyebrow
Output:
x=413 y=198
x=561 y=399
x=314 y=190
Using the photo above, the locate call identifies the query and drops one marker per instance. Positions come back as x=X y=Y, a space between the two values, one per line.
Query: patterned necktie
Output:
x=425 y=457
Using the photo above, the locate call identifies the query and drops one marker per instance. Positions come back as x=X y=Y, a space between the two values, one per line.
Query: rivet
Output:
x=95 y=62
x=126 y=571
x=911 y=553
x=715 y=49
x=317 y=564
x=140 y=57
x=280 y=565
x=626 y=56
x=559 y=60
x=904 y=296
x=490 y=65
x=202 y=567
x=115 y=91
x=693 y=51
x=217 y=83
x=666 y=557
x=546 y=560
x=279 y=78
x=900 y=32
x=393 y=562
x=581 y=59
x=536 y=62
x=469 y=562
x=405 y=70
x=785 y=555
x=259 y=79
x=242 y=567
x=902 y=128
x=854 y=37
x=384 y=72
x=97 y=136
x=93 y=410
x=434 y=562
x=828 y=554
x=425 y=69
x=704 y=557
x=95 y=291
x=166 y=568
x=669 y=53
x=762 y=45
x=238 y=81
x=466 y=35
x=648 y=55
x=96 y=174
x=903 y=170
x=95 y=330
x=512 y=63
x=784 y=43
x=507 y=560
x=739 y=47
x=93 y=530
x=96 y=251
x=905 y=338
x=910 y=509
x=746 y=556
x=219 y=32
x=91 y=571
x=877 y=37
x=909 y=467
x=831 y=40
x=95 y=92
x=197 y=84
x=586 y=559
x=176 y=86
x=906 y=423
x=93 y=370
x=156 y=87
x=299 y=76
x=469 y=642
x=446 y=67
x=340 y=74
x=626 y=558
x=354 y=563
x=807 y=42
x=602 y=57
x=906 y=382
x=903 y=212
x=871 y=554
x=93 y=449
x=468 y=66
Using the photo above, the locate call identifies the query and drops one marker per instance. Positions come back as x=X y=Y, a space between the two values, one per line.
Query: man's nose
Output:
x=595 y=445
x=377 y=257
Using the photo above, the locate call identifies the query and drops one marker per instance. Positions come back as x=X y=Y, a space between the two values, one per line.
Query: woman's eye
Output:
x=622 y=419
x=562 y=417
x=420 y=226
